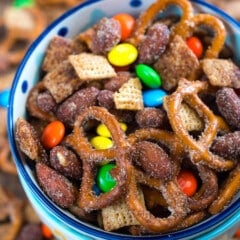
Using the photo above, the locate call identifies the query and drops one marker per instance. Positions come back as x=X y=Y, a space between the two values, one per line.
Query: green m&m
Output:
x=148 y=76
x=23 y=3
x=105 y=181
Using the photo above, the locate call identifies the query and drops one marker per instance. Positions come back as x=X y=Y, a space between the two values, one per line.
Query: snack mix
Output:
x=130 y=110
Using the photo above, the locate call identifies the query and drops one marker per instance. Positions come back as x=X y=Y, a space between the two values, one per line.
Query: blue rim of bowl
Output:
x=94 y=231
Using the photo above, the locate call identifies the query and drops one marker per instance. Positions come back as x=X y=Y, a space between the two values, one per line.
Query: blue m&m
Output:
x=153 y=97
x=4 y=98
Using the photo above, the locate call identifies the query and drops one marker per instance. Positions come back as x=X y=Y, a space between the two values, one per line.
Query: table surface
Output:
x=9 y=180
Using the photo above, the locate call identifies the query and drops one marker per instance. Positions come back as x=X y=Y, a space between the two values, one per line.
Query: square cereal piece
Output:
x=58 y=50
x=176 y=62
x=117 y=216
x=190 y=119
x=90 y=67
x=129 y=96
x=62 y=81
x=221 y=72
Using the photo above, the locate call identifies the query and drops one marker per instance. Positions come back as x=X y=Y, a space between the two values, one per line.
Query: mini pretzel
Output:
x=169 y=188
x=215 y=24
x=207 y=192
x=11 y=209
x=227 y=192
x=173 y=196
x=6 y=161
x=15 y=32
x=199 y=150
x=91 y=157
x=147 y=17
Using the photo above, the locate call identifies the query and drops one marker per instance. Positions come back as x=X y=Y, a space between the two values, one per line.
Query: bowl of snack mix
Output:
x=124 y=121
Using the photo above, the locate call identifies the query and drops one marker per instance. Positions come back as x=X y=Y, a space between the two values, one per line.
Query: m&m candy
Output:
x=100 y=142
x=103 y=131
x=105 y=181
x=123 y=54
x=148 y=76
x=4 y=98
x=153 y=97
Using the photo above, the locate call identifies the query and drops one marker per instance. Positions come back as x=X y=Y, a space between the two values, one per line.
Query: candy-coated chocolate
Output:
x=23 y=3
x=153 y=97
x=53 y=134
x=4 y=97
x=105 y=181
x=100 y=142
x=103 y=131
x=96 y=190
x=127 y=23
x=148 y=76
x=122 y=55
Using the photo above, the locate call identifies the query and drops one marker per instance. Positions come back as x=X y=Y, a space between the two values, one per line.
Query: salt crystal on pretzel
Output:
x=129 y=96
x=176 y=62
x=28 y=141
x=118 y=215
x=91 y=67
x=221 y=72
x=190 y=119
x=62 y=81
x=58 y=50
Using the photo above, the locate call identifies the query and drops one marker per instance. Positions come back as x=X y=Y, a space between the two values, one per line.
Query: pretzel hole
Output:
x=19 y=44
x=206 y=35
x=155 y=202
x=170 y=16
x=3 y=32
x=5 y=219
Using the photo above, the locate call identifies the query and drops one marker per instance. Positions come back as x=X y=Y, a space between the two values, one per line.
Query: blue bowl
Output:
x=63 y=224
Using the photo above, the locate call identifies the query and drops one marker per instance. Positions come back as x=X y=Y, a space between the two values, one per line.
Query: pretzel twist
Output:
x=14 y=56
x=91 y=157
x=199 y=150
x=147 y=17
x=215 y=24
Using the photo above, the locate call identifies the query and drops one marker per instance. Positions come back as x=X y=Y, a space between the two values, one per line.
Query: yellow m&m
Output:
x=103 y=131
x=123 y=54
x=100 y=142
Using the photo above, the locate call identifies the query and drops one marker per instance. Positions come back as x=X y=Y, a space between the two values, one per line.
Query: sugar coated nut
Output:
x=153 y=97
x=100 y=142
x=122 y=55
x=103 y=131
x=148 y=76
x=105 y=181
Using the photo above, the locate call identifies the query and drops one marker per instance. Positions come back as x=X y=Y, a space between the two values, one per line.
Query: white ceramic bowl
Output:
x=63 y=224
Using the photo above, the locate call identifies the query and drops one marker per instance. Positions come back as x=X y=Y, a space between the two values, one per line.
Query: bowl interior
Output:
x=69 y=25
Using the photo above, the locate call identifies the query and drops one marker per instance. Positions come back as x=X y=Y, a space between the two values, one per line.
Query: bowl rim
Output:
x=205 y=226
